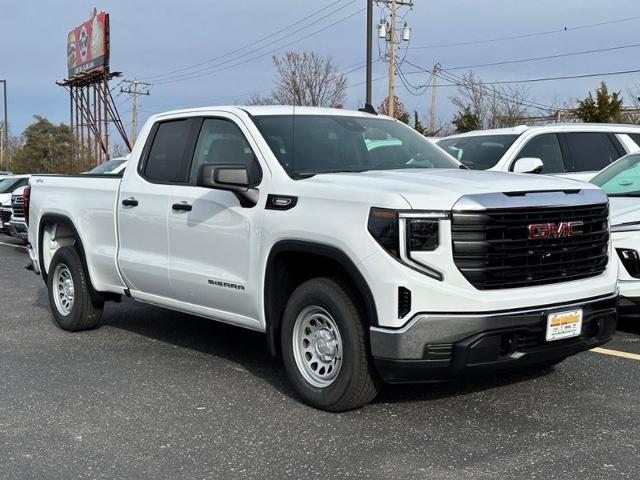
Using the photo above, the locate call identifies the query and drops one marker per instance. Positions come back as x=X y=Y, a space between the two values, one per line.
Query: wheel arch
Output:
x=68 y=224
x=279 y=282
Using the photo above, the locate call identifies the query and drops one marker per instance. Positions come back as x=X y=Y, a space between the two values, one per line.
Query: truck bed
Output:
x=90 y=201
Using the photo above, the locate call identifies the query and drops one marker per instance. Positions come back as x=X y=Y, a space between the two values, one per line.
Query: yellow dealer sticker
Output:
x=562 y=325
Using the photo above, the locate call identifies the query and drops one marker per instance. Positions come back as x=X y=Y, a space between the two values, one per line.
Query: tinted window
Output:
x=546 y=148
x=478 y=152
x=589 y=151
x=313 y=144
x=221 y=142
x=108 y=166
x=167 y=161
x=8 y=185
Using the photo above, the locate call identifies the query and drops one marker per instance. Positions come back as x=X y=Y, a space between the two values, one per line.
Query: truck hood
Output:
x=440 y=189
x=624 y=210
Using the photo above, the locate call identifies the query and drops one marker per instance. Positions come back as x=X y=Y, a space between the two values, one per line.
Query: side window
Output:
x=167 y=161
x=590 y=151
x=547 y=148
x=221 y=142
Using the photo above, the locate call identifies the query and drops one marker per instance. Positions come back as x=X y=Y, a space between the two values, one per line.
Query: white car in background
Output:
x=7 y=185
x=575 y=150
x=621 y=181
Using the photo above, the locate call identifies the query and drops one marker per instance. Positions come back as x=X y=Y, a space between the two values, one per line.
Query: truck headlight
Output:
x=422 y=234
x=401 y=233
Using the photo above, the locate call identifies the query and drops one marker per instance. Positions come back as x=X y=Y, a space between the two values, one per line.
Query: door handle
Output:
x=625 y=183
x=181 y=207
x=130 y=202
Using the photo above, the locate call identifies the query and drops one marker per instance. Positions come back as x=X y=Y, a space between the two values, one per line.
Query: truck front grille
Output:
x=17 y=203
x=492 y=248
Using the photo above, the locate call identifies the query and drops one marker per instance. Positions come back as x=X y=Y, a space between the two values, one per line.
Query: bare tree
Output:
x=490 y=106
x=632 y=115
x=257 y=99
x=305 y=79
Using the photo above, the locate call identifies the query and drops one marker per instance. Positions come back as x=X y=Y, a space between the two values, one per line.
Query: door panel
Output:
x=210 y=251
x=144 y=205
x=143 y=253
x=214 y=245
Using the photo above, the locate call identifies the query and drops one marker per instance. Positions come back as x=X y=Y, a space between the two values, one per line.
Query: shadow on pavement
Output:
x=248 y=349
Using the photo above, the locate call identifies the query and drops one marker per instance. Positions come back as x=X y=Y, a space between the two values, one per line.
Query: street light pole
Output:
x=5 y=126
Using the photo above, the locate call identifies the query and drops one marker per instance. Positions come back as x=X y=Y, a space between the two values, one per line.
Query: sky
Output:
x=152 y=38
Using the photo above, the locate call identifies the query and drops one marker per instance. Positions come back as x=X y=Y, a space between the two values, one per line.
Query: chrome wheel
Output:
x=317 y=346
x=63 y=290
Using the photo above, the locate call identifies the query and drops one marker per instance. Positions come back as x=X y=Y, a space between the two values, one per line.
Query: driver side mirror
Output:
x=528 y=165
x=232 y=178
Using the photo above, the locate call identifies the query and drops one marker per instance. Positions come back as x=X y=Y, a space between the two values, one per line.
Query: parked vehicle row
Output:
x=575 y=150
x=10 y=185
x=361 y=250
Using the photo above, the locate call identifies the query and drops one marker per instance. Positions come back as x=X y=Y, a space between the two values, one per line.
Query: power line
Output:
x=528 y=35
x=344 y=70
x=244 y=47
x=214 y=68
x=547 y=57
x=548 y=79
x=481 y=87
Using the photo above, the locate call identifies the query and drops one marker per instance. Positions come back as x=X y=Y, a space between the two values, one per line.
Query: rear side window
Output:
x=167 y=161
x=547 y=148
x=589 y=151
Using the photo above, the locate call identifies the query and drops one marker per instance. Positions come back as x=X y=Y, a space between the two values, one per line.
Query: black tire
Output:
x=356 y=383
x=83 y=314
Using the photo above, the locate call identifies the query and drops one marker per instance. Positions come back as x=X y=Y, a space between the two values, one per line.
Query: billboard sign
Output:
x=88 y=46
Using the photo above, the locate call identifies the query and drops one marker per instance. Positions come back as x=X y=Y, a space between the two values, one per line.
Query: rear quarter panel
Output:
x=89 y=203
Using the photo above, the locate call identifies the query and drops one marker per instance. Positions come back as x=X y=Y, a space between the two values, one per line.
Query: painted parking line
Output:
x=616 y=353
x=12 y=245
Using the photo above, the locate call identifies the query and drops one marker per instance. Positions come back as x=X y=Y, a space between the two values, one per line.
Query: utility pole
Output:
x=133 y=90
x=5 y=129
x=369 y=50
x=389 y=31
x=392 y=59
x=434 y=77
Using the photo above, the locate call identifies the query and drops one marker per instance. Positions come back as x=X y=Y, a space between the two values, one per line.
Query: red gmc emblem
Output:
x=541 y=231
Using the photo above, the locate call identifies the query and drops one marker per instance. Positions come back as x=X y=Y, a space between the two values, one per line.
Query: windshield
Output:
x=478 y=152
x=621 y=178
x=108 y=166
x=8 y=185
x=311 y=144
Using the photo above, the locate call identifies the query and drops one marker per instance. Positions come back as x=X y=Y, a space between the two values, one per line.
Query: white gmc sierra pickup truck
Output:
x=363 y=252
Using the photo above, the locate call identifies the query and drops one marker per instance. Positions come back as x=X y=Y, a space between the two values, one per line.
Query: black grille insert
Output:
x=492 y=248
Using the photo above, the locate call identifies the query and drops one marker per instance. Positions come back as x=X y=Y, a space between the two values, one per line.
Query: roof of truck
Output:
x=272 y=110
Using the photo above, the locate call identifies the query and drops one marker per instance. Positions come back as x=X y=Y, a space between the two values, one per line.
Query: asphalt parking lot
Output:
x=157 y=394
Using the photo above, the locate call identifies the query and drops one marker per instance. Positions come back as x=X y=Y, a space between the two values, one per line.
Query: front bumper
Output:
x=19 y=229
x=5 y=218
x=436 y=346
